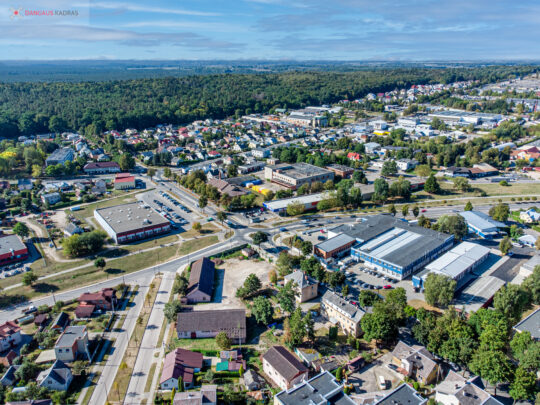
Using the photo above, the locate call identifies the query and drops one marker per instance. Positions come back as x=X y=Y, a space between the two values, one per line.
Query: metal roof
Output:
x=531 y=324
x=130 y=217
x=335 y=243
x=482 y=222
x=458 y=260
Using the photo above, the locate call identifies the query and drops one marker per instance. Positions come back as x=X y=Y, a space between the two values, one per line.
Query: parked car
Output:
x=387 y=287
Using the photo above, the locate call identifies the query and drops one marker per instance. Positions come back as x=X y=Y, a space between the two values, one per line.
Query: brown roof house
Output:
x=10 y=335
x=283 y=368
x=201 y=281
x=415 y=362
x=305 y=286
x=207 y=324
x=180 y=364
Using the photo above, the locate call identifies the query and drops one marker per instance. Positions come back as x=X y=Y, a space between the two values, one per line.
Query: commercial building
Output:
x=283 y=368
x=251 y=167
x=207 y=324
x=338 y=246
x=60 y=156
x=12 y=249
x=321 y=389
x=101 y=168
x=479 y=294
x=306 y=287
x=395 y=247
x=455 y=264
x=482 y=224
x=129 y=222
x=341 y=170
x=201 y=281
x=341 y=312
x=309 y=202
x=294 y=175
x=124 y=181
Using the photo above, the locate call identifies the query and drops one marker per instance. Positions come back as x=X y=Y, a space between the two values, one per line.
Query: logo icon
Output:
x=16 y=13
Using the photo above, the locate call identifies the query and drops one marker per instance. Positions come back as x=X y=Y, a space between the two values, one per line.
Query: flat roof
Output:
x=70 y=335
x=531 y=324
x=9 y=243
x=305 y=199
x=130 y=217
x=335 y=242
x=459 y=259
x=300 y=170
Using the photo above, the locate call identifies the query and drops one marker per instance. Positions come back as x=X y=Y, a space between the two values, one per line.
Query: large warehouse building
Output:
x=456 y=263
x=309 y=201
x=294 y=175
x=130 y=222
x=12 y=249
x=395 y=247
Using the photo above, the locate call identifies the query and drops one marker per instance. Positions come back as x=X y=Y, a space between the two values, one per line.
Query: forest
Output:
x=93 y=107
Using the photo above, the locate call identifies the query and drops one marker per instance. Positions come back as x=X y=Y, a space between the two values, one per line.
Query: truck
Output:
x=29 y=310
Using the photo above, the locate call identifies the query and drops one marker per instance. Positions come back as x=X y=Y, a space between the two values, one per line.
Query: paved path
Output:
x=135 y=393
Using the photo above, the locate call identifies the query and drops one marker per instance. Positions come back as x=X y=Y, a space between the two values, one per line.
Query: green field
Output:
x=491 y=189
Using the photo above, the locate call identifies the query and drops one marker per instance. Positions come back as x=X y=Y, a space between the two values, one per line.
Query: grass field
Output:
x=193 y=344
x=150 y=377
x=207 y=229
x=115 y=267
x=491 y=189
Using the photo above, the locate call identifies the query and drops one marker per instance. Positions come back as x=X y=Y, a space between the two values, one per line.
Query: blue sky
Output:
x=273 y=29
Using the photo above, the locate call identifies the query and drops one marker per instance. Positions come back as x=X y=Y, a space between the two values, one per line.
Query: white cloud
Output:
x=148 y=9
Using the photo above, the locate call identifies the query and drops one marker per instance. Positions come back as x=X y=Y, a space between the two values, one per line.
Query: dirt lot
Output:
x=231 y=276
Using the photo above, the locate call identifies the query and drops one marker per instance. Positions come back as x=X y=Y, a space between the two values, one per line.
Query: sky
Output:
x=363 y=30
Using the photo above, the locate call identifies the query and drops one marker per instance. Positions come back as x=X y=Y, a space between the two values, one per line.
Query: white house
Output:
x=10 y=335
x=58 y=377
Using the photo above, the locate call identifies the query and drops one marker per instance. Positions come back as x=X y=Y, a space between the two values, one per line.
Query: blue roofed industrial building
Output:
x=482 y=224
x=395 y=247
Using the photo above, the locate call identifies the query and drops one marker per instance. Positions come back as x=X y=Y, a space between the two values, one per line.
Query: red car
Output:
x=424 y=210
x=387 y=287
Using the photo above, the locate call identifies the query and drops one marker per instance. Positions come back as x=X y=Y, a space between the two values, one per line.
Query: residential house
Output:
x=72 y=229
x=58 y=377
x=72 y=344
x=51 y=198
x=24 y=184
x=404 y=394
x=457 y=390
x=306 y=287
x=415 y=362
x=283 y=368
x=9 y=378
x=208 y=323
x=251 y=380
x=201 y=281
x=104 y=300
x=342 y=312
x=180 y=364
x=529 y=216
x=225 y=187
x=530 y=324
x=321 y=389
x=406 y=164
x=10 y=335
x=206 y=396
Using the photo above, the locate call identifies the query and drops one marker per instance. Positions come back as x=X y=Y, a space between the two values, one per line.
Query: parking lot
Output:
x=13 y=269
x=170 y=207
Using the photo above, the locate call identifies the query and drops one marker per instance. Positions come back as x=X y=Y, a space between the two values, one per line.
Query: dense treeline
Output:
x=92 y=107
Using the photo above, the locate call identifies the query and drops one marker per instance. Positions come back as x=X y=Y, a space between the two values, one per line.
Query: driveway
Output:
x=366 y=379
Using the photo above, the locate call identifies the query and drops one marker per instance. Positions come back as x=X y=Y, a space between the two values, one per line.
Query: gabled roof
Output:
x=9 y=328
x=530 y=324
x=417 y=355
x=402 y=395
x=284 y=362
x=300 y=279
x=59 y=372
x=61 y=320
x=181 y=363
x=201 y=277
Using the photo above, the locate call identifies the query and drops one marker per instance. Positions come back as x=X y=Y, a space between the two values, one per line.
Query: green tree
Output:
x=259 y=237
x=515 y=232
x=223 y=341
x=389 y=168
x=100 y=263
x=500 y=212
x=505 y=245
x=439 y=290
x=532 y=285
x=171 y=310
x=29 y=278
x=461 y=184
x=468 y=206
x=381 y=190
x=423 y=170
x=309 y=324
x=262 y=310
x=415 y=210
x=221 y=216
x=127 y=163
x=294 y=209
x=432 y=185
x=368 y=298
x=453 y=224
x=492 y=365
x=306 y=247
x=21 y=230
x=151 y=173
x=405 y=210
x=286 y=297
x=196 y=226
x=523 y=386
x=297 y=331
x=379 y=325
x=392 y=209
x=511 y=300
x=251 y=285
x=203 y=201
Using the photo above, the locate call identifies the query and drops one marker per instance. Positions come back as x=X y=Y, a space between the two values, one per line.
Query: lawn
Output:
x=196 y=244
x=145 y=244
x=150 y=378
x=491 y=189
x=193 y=344
x=206 y=229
